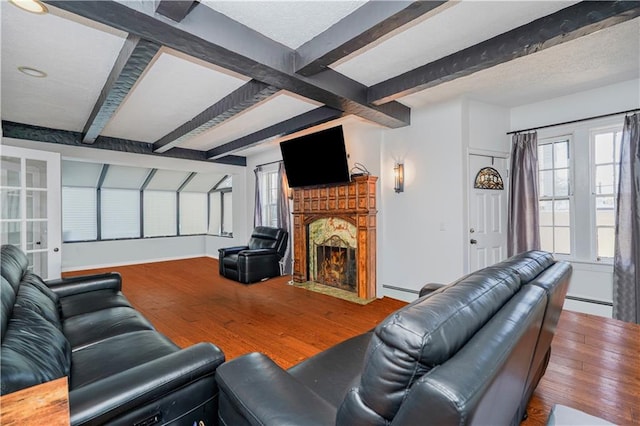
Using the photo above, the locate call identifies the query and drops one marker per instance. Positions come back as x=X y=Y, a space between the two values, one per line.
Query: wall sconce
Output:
x=398 y=172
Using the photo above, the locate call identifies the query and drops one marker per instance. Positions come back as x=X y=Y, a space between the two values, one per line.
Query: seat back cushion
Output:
x=265 y=237
x=13 y=264
x=420 y=336
x=527 y=265
x=8 y=299
x=33 y=351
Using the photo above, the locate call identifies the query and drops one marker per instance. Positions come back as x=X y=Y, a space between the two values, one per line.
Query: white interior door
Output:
x=30 y=214
x=487 y=233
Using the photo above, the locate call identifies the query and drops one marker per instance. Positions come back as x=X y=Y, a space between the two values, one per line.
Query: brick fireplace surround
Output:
x=354 y=202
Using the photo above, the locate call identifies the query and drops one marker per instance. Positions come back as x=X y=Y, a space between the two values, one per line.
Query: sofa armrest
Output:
x=103 y=400
x=226 y=251
x=430 y=288
x=258 y=252
x=85 y=283
x=255 y=388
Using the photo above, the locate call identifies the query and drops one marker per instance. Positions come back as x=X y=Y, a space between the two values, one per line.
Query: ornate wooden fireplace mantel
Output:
x=354 y=202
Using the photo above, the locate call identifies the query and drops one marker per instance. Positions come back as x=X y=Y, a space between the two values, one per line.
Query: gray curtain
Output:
x=283 y=217
x=257 y=210
x=522 y=223
x=626 y=261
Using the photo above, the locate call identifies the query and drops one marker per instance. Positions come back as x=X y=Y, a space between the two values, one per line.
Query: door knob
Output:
x=473 y=241
x=472 y=230
x=56 y=249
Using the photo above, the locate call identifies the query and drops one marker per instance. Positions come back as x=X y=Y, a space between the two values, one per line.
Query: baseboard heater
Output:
x=406 y=290
x=585 y=300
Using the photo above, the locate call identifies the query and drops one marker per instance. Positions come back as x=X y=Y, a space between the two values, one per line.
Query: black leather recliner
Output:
x=258 y=260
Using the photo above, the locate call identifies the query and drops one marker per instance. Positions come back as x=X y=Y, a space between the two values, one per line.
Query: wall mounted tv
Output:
x=316 y=159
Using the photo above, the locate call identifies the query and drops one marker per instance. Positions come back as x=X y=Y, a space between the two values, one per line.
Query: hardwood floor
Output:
x=594 y=367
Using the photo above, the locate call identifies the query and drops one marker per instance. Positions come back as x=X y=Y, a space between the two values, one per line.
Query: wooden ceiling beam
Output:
x=132 y=60
x=303 y=121
x=218 y=39
x=365 y=25
x=66 y=137
x=175 y=10
x=246 y=96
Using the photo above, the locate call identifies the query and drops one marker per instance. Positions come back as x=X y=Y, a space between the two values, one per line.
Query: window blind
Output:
x=120 y=213
x=160 y=217
x=193 y=213
x=79 y=219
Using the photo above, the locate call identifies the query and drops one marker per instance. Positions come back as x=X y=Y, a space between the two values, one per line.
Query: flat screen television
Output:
x=316 y=159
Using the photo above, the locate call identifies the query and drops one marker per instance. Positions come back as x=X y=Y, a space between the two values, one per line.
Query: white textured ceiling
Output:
x=76 y=71
x=78 y=55
x=291 y=23
x=607 y=57
x=456 y=27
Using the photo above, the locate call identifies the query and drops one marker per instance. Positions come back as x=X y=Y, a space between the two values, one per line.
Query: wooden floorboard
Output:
x=594 y=367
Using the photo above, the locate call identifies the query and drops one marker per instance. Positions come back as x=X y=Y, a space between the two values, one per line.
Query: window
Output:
x=605 y=170
x=578 y=181
x=79 y=220
x=119 y=213
x=160 y=213
x=193 y=213
x=221 y=208
x=270 y=185
x=107 y=202
x=554 y=190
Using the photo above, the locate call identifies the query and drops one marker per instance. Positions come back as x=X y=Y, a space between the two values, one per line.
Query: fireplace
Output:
x=334 y=235
x=332 y=260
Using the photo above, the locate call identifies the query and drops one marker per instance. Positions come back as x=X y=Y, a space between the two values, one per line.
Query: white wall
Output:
x=487 y=127
x=101 y=254
x=590 y=280
x=604 y=100
x=421 y=229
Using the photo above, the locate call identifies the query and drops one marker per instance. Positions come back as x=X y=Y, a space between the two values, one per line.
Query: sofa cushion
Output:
x=34 y=351
x=29 y=297
x=35 y=281
x=420 y=336
x=527 y=265
x=334 y=371
x=8 y=299
x=92 y=327
x=117 y=354
x=91 y=301
x=14 y=265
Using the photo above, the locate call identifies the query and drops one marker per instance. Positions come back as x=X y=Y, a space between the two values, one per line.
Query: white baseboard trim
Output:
x=135 y=262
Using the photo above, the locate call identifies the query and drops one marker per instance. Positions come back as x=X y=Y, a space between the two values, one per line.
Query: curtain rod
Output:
x=574 y=121
x=270 y=162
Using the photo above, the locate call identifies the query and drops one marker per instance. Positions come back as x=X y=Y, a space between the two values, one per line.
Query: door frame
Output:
x=468 y=189
x=54 y=205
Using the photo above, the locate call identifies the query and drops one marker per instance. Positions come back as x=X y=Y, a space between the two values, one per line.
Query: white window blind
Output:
x=160 y=217
x=193 y=213
x=227 y=213
x=120 y=213
x=215 y=213
x=79 y=220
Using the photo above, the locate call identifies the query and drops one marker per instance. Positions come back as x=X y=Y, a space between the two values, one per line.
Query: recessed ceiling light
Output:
x=32 y=72
x=33 y=6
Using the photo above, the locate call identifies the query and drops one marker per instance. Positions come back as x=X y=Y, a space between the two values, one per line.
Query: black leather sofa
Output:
x=471 y=352
x=258 y=260
x=120 y=369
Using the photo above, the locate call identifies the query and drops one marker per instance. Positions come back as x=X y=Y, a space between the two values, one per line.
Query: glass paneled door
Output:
x=30 y=207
